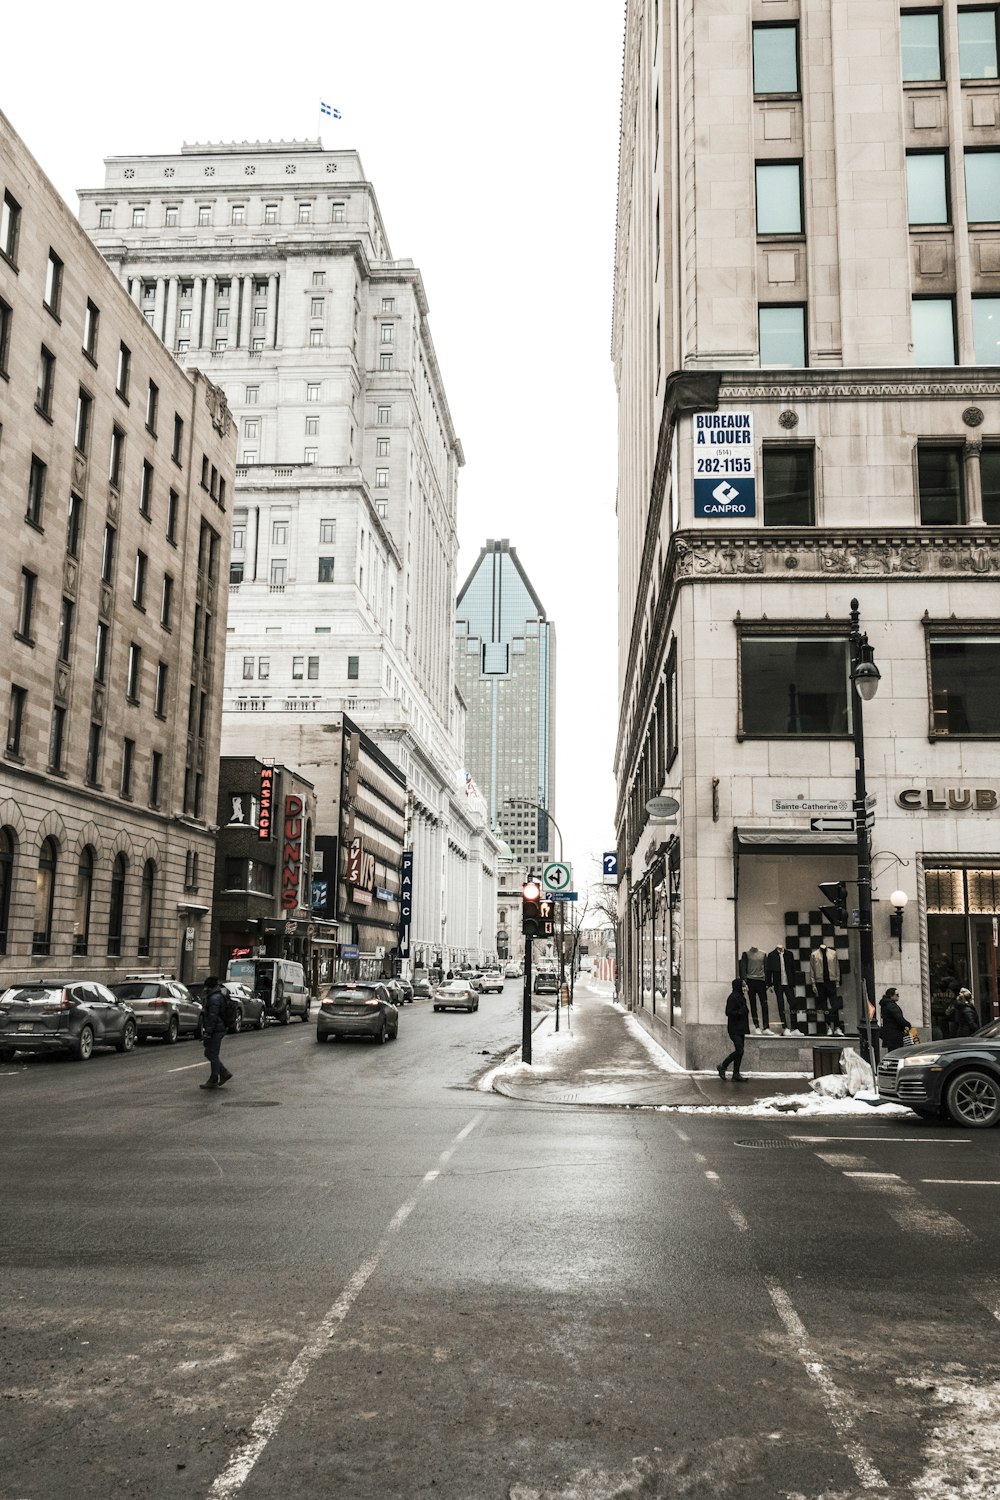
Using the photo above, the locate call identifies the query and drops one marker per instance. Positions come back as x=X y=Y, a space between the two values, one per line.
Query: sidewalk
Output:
x=602 y=1056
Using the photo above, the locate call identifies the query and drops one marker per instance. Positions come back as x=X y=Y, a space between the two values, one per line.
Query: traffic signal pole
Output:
x=526 y=1006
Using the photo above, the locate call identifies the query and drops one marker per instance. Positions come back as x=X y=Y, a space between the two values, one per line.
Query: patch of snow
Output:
x=659 y=1054
x=962 y=1455
x=792 y=1104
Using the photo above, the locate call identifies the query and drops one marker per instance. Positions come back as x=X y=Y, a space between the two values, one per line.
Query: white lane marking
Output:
x=872 y=1175
x=271 y=1414
x=891 y=1140
x=685 y=1138
x=965 y=1181
x=701 y=1160
x=841 y=1159
x=712 y=1176
x=430 y=1176
x=836 y=1406
x=929 y=1221
x=737 y=1218
x=188 y=1066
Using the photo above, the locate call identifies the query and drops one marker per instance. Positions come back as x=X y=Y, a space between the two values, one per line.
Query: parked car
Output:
x=400 y=991
x=279 y=982
x=456 y=994
x=357 y=1010
x=250 y=1008
x=546 y=982
x=163 y=1007
x=64 y=1015
x=423 y=989
x=959 y=1077
x=491 y=983
x=513 y=971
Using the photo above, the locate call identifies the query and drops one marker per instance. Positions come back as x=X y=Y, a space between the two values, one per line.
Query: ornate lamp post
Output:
x=865 y=678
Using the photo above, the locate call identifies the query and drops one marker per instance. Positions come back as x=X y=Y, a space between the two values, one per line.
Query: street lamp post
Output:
x=865 y=677
x=527 y=802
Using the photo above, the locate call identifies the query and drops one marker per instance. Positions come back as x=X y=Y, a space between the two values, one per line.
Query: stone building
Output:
x=117 y=478
x=806 y=315
x=268 y=265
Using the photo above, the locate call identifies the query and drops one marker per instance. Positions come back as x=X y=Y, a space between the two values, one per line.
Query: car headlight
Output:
x=923 y=1060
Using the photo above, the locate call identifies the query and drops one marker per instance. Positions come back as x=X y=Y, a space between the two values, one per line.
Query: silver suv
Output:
x=163 y=1006
x=64 y=1016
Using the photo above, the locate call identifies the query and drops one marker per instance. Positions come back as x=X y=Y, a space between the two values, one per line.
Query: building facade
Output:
x=117 y=483
x=807 y=301
x=505 y=665
x=268 y=265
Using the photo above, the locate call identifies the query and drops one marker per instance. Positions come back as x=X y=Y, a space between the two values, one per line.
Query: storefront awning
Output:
x=779 y=840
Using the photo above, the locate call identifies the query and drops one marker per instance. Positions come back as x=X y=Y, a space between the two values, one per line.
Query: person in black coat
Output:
x=214 y=1029
x=737 y=1024
x=894 y=1024
x=963 y=1015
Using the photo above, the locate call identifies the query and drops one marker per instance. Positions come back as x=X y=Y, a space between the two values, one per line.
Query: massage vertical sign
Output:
x=266 y=802
x=405 y=902
x=291 y=854
x=725 y=484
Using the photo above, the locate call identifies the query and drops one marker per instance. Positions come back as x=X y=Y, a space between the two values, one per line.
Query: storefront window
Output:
x=794 y=685
x=963 y=913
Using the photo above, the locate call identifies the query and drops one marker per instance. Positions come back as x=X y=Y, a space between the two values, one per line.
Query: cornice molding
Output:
x=846 y=385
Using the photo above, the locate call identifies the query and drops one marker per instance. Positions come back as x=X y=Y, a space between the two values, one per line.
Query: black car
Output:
x=352 y=1009
x=959 y=1077
x=64 y=1016
x=546 y=983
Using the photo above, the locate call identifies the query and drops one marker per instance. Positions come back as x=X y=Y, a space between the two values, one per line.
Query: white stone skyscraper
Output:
x=267 y=265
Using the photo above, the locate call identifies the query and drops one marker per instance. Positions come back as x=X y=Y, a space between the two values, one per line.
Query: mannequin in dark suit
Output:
x=782 y=976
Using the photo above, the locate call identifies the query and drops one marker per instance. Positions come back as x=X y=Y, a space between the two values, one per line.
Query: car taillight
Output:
x=372 y=1002
x=65 y=1003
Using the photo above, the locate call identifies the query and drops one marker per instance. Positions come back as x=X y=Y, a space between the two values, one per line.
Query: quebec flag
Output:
x=326 y=109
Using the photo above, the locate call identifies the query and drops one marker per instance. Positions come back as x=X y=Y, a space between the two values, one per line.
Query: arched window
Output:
x=45 y=890
x=8 y=848
x=146 y=908
x=117 y=916
x=84 y=892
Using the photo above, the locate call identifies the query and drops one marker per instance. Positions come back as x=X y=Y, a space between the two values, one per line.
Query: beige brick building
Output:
x=807 y=306
x=117 y=474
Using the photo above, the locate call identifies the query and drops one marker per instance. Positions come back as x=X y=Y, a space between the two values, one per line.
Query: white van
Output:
x=280 y=983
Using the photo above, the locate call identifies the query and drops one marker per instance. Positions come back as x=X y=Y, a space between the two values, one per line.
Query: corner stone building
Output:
x=807 y=307
x=116 y=479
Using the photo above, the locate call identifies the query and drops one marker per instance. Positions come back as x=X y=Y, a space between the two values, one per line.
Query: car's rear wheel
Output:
x=437 y=1007
x=383 y=1035
x=262 y=1019
x=322 y=1036
x=173 y=1031
x=283 y=1018
x=237 y=1025
x=127 y=1041
x=305 y=1013
x=973 y=1099
x=85 y=1043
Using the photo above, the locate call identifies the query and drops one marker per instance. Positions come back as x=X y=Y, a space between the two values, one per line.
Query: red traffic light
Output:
x=531 y=890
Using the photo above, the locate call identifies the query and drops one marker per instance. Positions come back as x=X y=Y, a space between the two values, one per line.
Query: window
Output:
x=10 y=225
x=315 y=338
x=310 y=455
x=177 y=446
x=775 y=60
x=338 y=213
x=26 y=605
x=84 y=407
x=305 y=213
x=382 y=447
x=248 y=662
x=251 y=429
x=45 y=890
x=328 y=531
x=279 y=533
x=46 y=381
x=982 y=186
x=134 y=672
x=260 y=317
x=101 y=652
x=167 y=602
x=927 y=187
x=160 y=695
x=128 y=766
x=783 y=335
x=6 y=324
x=270 y=213
x=108 y=554
x=298 y=667
x=249 y=455
x=312 y=426
x=325 y=570
x=388 y=304
x=172 y=502
x=53 y=284
x=15 y=718
x=352 y=668
x=794 y=685
x=57 y=738
x=170 y=216
x=146 y=490
x=252 y=395
x=384 y=415
x=204 y=214
x=279 y=572
x=933 y=331
x=385 y=361
x=986 y=329
x=138 y=216
x=312 y=668
x=263 y=668
x=116 y=916
x=222 y=318
x=939 y=481
x=316 y=307
x=116 y=458
x=989 y=474
x=74 y=525
x=977 y=43
x=94 y=755
x=220 y=346
x=191 y=870
x=65 y=642
x=152 y=406
x=787 y=475
x=155 y=777
x=381 y=478
x=36 y=491
x=84 y=896
x=139 y=580
x=104 y=218
x=963 y=672
x=312 y=392
x=386 y=334
x=239 y=214
x=779 y=197
x=146 y=908
x=123 y=370
x=921 y=38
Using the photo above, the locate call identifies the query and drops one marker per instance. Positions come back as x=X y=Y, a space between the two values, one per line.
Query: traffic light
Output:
x=835 y=892
x=536 y=914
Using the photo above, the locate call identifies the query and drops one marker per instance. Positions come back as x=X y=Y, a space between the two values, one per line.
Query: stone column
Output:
x=972 y=452
x=243 y=334
x=207 y=340
x=160 y=305
x=197 y=301
x=135 y=290
x=271 y=330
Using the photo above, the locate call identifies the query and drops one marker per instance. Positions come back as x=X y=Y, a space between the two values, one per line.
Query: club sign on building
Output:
x=725 y=484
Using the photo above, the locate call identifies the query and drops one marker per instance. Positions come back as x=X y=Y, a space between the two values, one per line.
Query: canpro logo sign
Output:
x=725 y=462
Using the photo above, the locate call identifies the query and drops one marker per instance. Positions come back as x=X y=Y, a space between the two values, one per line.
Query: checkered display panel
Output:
x=804 y=931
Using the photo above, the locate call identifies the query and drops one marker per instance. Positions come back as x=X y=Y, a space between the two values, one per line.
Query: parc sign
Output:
x=725 y=485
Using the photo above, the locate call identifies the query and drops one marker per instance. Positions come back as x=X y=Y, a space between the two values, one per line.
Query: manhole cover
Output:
x=252 y=1103
x=767 y=1143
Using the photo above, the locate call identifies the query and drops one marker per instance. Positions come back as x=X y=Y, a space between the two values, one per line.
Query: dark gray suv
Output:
x=64 y=1016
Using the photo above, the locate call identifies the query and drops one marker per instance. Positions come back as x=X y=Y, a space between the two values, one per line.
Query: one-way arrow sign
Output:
x=832 y=825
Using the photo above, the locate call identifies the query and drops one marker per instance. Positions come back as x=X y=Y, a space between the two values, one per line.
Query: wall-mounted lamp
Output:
x=899 y=900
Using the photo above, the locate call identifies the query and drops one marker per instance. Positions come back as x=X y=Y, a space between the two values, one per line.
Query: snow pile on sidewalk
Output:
x=796 y=1104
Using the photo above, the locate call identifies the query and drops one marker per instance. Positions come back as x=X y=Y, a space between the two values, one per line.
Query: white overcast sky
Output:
x=490 y=134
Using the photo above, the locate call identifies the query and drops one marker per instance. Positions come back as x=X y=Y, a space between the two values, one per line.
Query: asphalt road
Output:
x=352 y=1274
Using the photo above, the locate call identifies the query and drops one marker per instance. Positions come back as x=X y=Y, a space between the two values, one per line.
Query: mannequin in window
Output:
x=824 y=979
x=782 y=976
x=752 y=974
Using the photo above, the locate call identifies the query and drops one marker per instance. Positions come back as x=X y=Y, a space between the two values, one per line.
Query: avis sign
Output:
x=725 y=484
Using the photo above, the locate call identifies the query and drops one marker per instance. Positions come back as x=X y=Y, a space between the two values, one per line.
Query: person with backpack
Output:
x=215 y=1024
x=964 y=1018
